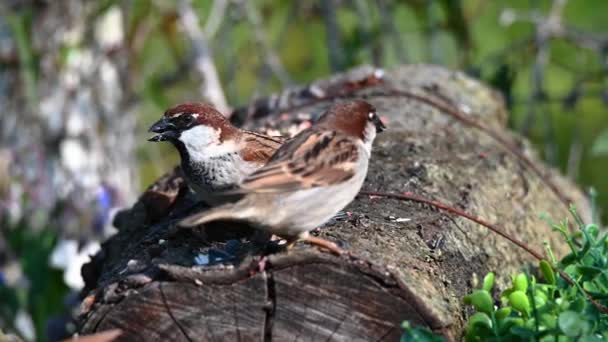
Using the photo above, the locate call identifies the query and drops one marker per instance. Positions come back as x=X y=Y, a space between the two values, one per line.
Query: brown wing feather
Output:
x=258 y=147
x=313 y=158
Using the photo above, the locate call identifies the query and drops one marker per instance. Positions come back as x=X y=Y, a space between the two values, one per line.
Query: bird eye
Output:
x=186 y=119
x=371 y=115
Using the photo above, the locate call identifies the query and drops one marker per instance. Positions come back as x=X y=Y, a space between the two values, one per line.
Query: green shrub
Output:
x=548 y=308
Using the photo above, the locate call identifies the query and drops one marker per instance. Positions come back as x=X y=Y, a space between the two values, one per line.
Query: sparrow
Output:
x=308 y=179
x=214 y=154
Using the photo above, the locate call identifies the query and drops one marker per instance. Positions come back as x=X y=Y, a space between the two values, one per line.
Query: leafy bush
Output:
x=547 y=308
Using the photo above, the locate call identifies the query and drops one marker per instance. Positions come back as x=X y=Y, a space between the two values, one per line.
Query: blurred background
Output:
x=81 y=81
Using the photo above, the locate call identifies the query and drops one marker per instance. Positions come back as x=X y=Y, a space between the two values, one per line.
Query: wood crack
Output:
x=179 y=326
x=103 y=317
x=270 y=305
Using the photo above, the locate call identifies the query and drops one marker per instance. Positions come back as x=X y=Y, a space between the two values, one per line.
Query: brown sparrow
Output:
x=214 y=154
x=309 y=179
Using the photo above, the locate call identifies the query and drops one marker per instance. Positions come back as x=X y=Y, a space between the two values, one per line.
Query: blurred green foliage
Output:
x=551 y=309
x=40 y=290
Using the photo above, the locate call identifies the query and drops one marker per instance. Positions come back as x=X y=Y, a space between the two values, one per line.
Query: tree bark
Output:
x=407 y=261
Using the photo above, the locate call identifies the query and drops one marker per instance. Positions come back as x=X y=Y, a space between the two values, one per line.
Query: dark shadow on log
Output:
x=408 y=261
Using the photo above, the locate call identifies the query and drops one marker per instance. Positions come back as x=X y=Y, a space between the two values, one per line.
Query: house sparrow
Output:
x=214 y=154
x=309 y=179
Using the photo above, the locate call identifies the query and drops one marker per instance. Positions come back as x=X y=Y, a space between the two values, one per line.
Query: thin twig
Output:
x=411 y=197
x=212 y=87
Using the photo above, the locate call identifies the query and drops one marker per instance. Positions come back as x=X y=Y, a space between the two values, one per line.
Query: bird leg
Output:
x=325 y=244
x=262 y=263
x=289 y=243
x=313 y=240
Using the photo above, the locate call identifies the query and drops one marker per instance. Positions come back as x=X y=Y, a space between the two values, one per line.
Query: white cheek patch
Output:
x=199 y=137
x=203 y=143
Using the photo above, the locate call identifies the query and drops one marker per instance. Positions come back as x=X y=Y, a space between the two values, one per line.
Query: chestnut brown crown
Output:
x=352 y=117
x=184 y=116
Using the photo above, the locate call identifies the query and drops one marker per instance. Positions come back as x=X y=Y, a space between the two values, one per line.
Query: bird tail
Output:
x=223 y=212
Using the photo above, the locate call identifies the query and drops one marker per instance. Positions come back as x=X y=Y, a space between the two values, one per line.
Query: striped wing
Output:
x=311 y=159
x=258 y=147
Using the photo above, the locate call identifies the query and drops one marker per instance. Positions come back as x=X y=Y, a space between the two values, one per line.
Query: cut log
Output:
x=407 y=261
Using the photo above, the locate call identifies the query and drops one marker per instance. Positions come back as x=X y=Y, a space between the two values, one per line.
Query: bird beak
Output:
x=379 y=124
x=165 y=130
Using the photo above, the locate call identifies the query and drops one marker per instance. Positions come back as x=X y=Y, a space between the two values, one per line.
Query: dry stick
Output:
x=459 y=115
x=411 y=197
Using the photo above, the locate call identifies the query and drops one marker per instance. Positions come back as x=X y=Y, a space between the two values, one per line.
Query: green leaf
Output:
x=523 y=332
x=504 y=296
x=539 y=302
x=540 y=293
x=548 y=320
x=590 y=287
x=504 y=326
x=568 y=259
x=488 y=282
x=520 y=282
x=577 y=303
x=478 y=328
x=547 y=272
x=592 y=230
x=589 y=272
x=481 y=300
x=503 y=313
x=519 y=301
x=571 y=270
x=418 y=334
x=600 y=145
x=572 y=324
x=590 y=338
x=479 y=319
